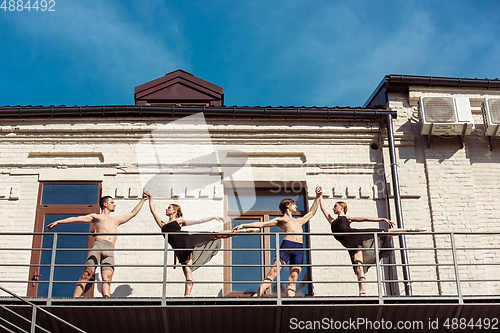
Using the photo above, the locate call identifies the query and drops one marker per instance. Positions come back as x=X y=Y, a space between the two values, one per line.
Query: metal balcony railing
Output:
x=451 y=266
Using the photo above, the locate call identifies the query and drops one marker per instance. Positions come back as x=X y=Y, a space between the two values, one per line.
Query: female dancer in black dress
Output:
x=206 y=245
x=342 y=224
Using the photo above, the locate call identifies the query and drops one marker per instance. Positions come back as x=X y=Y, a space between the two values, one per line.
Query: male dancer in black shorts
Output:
x=291 y=247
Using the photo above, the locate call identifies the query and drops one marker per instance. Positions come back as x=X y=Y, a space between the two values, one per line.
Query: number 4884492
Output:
x=20 y=5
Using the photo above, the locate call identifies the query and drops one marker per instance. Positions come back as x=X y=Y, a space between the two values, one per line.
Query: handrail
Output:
x=452 y=265
x=35 y=309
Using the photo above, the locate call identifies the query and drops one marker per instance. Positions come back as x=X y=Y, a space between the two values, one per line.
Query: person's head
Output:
x=174 y=210
x=340 y=208
x=107 y=201
x=287 y=203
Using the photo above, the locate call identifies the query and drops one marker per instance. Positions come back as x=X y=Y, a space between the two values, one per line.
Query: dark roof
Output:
x=400 y=83
x=178 y=86
x=107 y=111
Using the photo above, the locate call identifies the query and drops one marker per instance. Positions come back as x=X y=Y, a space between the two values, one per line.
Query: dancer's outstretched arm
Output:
x=260 y=225
x=74 y=219
x=203 y=220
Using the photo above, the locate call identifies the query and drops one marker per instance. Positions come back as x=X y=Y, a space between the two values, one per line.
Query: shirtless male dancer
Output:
x=291 y=247
x=101 y=252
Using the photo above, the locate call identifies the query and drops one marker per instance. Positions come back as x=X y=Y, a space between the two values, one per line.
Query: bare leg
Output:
x=358 y=270
x=241 y=231
x=269 y=280
x=293 y=276
x=107 y=275
x=188 y=273
x=80 y=286
x=405 y=230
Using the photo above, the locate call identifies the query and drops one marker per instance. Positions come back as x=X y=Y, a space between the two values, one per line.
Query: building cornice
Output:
x=111 y=111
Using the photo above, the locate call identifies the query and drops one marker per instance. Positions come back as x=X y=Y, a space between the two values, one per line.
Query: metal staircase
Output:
x=26 y=323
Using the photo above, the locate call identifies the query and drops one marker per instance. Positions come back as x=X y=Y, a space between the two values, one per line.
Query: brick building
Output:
x=182 y=143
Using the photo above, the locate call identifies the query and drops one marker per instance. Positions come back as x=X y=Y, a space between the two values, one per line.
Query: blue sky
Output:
x=291 y=52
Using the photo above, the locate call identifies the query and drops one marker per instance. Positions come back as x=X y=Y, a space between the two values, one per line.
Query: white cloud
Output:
x=345 y=50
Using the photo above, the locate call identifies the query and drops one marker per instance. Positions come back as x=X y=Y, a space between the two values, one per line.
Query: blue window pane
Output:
x=78 y=257
x=70 y=194
x=265 y=199
x=242 y=257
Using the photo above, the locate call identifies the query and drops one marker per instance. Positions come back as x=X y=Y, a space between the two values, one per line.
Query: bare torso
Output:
x=105 y=224
x=289 y=224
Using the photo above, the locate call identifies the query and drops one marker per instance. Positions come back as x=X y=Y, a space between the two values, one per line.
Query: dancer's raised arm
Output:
x=322 y=205
x=156 y=216
x=128 y=216
x=314 y=207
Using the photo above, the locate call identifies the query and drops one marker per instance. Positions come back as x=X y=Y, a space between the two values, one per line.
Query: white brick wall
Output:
x=460 y=194
x=444 y=188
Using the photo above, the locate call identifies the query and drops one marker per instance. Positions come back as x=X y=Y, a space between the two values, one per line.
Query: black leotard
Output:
x=205 y=245
x=342 y=224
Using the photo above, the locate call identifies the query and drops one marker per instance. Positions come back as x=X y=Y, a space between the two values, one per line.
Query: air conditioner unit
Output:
x=491 y=116
x=445 y=116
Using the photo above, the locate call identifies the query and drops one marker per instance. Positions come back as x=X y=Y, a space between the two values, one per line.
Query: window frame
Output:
x=265 y=243
x=42 y=210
